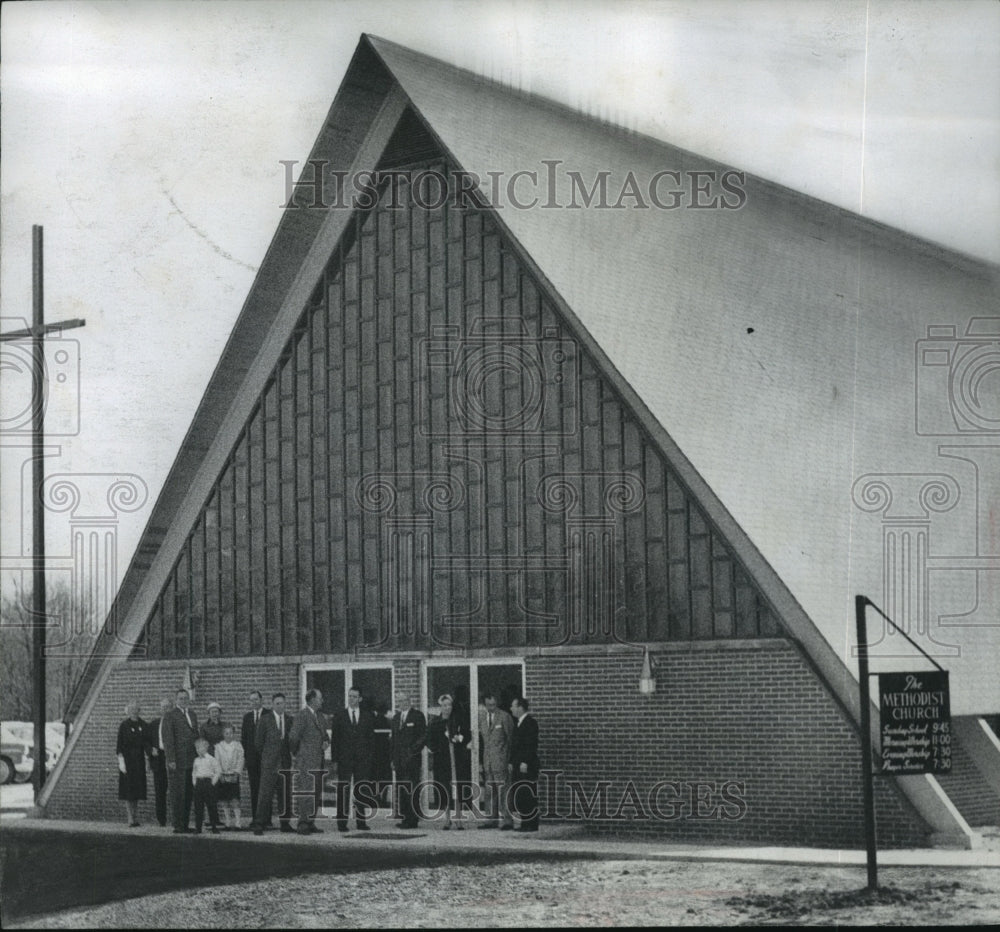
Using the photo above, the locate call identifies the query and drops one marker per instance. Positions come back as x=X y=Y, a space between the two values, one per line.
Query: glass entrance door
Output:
x=331 y=683
x=502 y=678
x=334 y=681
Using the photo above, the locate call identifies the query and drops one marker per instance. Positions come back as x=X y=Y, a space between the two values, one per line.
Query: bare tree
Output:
x=70 y=639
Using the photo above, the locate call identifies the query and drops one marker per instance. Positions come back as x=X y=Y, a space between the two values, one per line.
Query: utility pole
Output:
x=36 y=333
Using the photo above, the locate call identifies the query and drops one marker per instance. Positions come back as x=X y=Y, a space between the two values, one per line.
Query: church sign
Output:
x=916 y=722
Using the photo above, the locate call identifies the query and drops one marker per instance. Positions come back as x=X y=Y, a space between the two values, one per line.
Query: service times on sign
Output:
x=916 y=722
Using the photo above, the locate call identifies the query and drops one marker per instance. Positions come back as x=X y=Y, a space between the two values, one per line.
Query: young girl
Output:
x=229 y=754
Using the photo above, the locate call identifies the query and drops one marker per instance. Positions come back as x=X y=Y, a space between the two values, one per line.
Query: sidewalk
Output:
x=557 y=840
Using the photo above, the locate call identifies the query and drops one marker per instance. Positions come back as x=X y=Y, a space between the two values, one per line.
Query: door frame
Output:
x=347 y=666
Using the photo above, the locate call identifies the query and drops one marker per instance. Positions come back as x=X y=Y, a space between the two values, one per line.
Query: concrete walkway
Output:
x=557 y=840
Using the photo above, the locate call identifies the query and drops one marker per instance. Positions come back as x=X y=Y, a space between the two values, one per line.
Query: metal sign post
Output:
x=860 y=603
x=916 y=738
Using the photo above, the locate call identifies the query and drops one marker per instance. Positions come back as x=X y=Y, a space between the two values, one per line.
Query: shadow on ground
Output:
x=46 y=870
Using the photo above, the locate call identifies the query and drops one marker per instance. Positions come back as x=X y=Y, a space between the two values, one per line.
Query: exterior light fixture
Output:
x=647 y=683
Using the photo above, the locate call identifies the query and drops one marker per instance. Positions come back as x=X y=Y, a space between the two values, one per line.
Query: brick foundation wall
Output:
x=755 y=717
x=752 y=747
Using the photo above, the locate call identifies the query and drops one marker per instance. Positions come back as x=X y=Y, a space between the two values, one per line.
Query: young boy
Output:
x=229 y=754
x=205 y=774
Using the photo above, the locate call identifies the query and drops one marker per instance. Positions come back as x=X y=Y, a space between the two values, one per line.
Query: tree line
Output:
x=70 y=639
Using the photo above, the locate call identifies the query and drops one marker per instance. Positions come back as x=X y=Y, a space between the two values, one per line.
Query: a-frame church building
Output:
x=631 y=450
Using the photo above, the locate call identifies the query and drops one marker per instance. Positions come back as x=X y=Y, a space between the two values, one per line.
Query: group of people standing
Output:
x=196 y=766
x=201 y=765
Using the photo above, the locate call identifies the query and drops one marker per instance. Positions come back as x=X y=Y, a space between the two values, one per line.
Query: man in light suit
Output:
x=248 y=738
x=353 y=745
x=180 y=731
x=157 y=760
x=495 y=730
x=408 y=731
x=524 y=766
x=308 y=742
x=271 y=742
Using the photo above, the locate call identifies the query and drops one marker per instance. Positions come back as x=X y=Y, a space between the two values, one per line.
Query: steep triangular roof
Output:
x=768 y=350
x=773 y=345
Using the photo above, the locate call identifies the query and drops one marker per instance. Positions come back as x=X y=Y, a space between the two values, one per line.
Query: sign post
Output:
x=860 y=603
x=915 y=723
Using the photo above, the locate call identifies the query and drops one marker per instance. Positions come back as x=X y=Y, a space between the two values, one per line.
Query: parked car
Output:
x=17 y=741
x=16 y=762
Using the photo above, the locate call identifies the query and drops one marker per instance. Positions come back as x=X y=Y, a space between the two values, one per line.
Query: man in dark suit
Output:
x=248 y=738
x=271 y=742
x=157 y=760
x=353 y=735
x=180 y=731
x=308 y=742
x=408 y=730
x=524 y=766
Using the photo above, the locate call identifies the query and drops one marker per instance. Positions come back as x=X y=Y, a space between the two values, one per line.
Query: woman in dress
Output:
x=132 y=747
x=212 y=729
x=448 y=739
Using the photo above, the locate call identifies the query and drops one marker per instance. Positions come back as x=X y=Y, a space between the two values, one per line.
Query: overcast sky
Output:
x=147 y=139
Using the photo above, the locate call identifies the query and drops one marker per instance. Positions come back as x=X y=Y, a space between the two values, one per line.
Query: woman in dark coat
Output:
x=448 y=739
x=132 y=747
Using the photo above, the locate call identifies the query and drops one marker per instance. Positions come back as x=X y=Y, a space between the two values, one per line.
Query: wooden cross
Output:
x=36 y=333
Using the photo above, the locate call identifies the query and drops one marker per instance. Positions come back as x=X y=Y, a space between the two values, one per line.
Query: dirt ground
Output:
x=576 y=893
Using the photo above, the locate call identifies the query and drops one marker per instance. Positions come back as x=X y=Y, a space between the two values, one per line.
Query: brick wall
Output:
x=88 y=788
x=745 y=742
x=968 y=790
x=754 y=718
